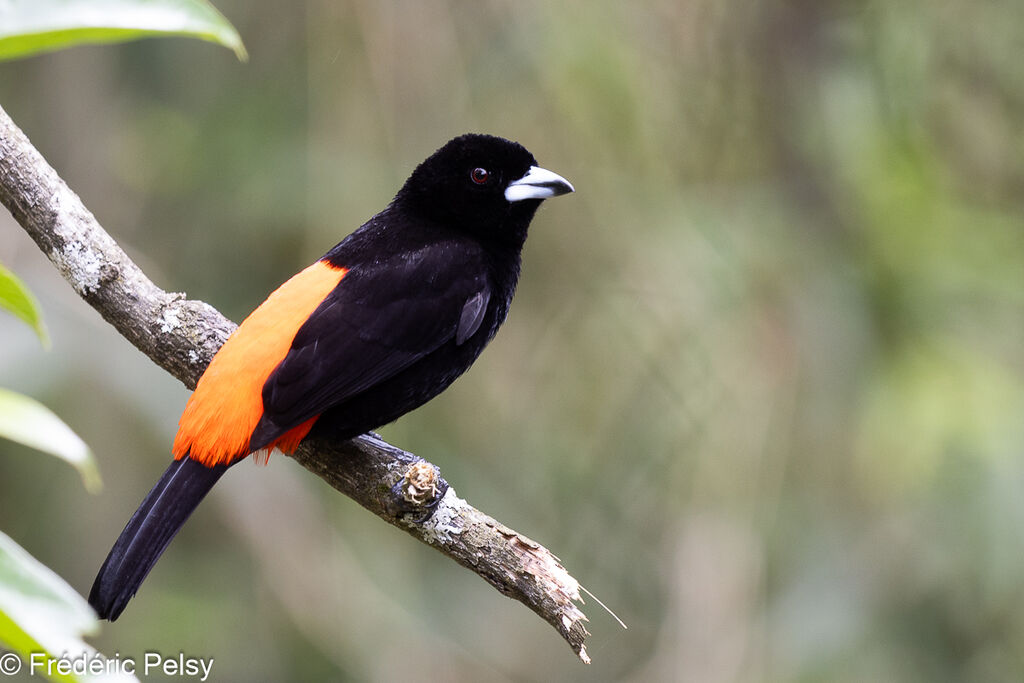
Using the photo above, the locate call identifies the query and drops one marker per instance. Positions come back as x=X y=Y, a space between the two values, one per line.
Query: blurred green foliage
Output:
x=17 y=300
x=41 y=615
x=29 y=27
x=761 y=388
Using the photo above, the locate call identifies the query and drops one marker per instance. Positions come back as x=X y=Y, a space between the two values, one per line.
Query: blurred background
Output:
x=761 y=389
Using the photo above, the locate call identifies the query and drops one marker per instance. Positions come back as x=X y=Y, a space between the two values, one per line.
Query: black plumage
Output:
x=429 y=280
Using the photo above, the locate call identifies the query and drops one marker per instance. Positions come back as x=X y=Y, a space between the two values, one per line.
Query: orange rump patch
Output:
x=223 y=411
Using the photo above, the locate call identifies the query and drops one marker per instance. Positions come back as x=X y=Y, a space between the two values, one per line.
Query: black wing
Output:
x=379 y=320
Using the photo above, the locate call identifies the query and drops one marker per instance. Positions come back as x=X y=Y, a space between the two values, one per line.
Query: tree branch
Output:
x=182 y=335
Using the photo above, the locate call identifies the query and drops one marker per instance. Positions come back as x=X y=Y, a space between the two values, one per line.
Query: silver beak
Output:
x=538 y=183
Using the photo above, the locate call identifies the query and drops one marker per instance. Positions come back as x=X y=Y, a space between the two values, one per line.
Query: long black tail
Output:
x=148 y=532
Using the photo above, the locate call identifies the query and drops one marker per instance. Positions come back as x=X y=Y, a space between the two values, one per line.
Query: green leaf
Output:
x=29 y=27
x=16 y=298
x=41 y=616
x=29 y=422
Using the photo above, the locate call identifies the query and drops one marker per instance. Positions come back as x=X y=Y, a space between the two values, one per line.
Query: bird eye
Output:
x=479 y=175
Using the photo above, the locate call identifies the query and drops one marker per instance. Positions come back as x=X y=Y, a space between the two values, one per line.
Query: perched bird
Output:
x=385 y=321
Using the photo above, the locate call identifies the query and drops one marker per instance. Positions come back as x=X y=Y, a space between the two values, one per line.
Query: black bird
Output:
x=385 y=321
